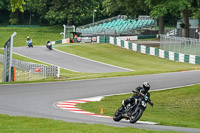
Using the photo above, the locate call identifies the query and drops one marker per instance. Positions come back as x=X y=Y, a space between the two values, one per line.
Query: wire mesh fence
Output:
x=31 y=71
x=22 y=75
x=182 y=45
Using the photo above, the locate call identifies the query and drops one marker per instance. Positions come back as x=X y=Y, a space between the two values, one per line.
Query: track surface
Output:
x=68 y=61
x=37 y=99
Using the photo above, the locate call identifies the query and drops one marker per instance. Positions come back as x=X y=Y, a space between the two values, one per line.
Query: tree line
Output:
x=79 y=12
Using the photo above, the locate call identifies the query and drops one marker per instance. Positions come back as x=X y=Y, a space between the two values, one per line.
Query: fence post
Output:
x=30 y=75
x=58 y=72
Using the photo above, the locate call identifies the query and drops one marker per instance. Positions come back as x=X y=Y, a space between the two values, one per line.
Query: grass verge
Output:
x=176 y=107
x=19 y=124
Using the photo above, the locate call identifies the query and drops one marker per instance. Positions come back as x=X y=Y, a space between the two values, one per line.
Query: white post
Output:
x=93 y=15
x=30 y=75
x=11 y=50
x=58 y=72
x=64 y=31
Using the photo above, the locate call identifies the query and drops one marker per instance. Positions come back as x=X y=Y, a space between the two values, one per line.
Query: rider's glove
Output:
x=151 y=104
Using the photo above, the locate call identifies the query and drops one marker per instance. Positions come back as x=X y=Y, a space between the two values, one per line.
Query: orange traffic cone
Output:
x=101 y=110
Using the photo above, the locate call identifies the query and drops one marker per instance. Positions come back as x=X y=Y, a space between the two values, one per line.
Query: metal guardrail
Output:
x=44 y=70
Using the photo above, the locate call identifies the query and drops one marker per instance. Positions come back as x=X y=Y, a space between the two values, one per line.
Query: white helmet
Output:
x=146 y=86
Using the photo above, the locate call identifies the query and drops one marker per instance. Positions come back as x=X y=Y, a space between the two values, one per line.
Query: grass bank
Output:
x=39 y=36
x=18 y=124
x=141 y=63
x=177 y=107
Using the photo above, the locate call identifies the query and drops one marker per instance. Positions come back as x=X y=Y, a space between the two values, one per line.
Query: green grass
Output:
x=18 y=124
x=107 y=53
x=141 y=63
x=176 y=107
x=39 y=36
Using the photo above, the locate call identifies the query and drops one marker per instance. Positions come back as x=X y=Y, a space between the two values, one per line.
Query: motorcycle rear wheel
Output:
x=135 y=117
x=117 y=116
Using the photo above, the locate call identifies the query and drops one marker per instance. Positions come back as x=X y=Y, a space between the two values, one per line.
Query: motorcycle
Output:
x=29 y=43
x=132 y=111
x=49 y=46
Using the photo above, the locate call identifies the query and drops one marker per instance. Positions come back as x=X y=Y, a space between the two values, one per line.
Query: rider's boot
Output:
x=122 y=109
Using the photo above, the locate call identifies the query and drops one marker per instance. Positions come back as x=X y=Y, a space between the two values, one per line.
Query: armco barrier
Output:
x=193 y=59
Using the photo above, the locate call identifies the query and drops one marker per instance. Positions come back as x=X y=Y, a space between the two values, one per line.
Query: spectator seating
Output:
x=117 y=27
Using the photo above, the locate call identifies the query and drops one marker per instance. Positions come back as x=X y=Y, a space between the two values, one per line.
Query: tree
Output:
x=160 y=8
x=196 y=11
x=125 y=7
x=4 y=5
x=17 y=4
x=73 y=11
x=158 y=11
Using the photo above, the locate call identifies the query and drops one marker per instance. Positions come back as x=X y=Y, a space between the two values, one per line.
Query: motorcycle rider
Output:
x=138 y=92
x=49 y=45
x=29 y=41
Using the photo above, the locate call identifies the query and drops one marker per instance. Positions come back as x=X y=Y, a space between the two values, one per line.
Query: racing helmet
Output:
x=146 y=86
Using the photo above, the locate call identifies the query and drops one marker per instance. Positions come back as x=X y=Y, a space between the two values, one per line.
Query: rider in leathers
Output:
x=137 y=93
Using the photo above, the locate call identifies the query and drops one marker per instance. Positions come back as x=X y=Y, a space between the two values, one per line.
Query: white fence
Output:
x=36 y=69
x=182 y=45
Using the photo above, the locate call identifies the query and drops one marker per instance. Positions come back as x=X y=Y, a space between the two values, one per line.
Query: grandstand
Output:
x=118 y=25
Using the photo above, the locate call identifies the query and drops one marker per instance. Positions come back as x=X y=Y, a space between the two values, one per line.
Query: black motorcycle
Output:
x=132 y=111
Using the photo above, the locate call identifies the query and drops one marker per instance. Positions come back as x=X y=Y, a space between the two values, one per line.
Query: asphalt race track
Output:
x=68 y=61
x=36 y=100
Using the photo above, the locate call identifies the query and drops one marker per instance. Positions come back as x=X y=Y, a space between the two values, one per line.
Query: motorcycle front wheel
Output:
x=118 y=115
x=136 y=116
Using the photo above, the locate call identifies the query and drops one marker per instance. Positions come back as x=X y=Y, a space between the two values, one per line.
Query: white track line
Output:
x=70 y=105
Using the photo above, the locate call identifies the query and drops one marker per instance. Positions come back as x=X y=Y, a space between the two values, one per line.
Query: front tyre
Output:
x=118 y=115
x=135 y=117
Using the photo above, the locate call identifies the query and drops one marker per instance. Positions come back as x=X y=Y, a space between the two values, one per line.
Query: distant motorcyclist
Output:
x=49 y=45
x=138 y=92
x=29 y=42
